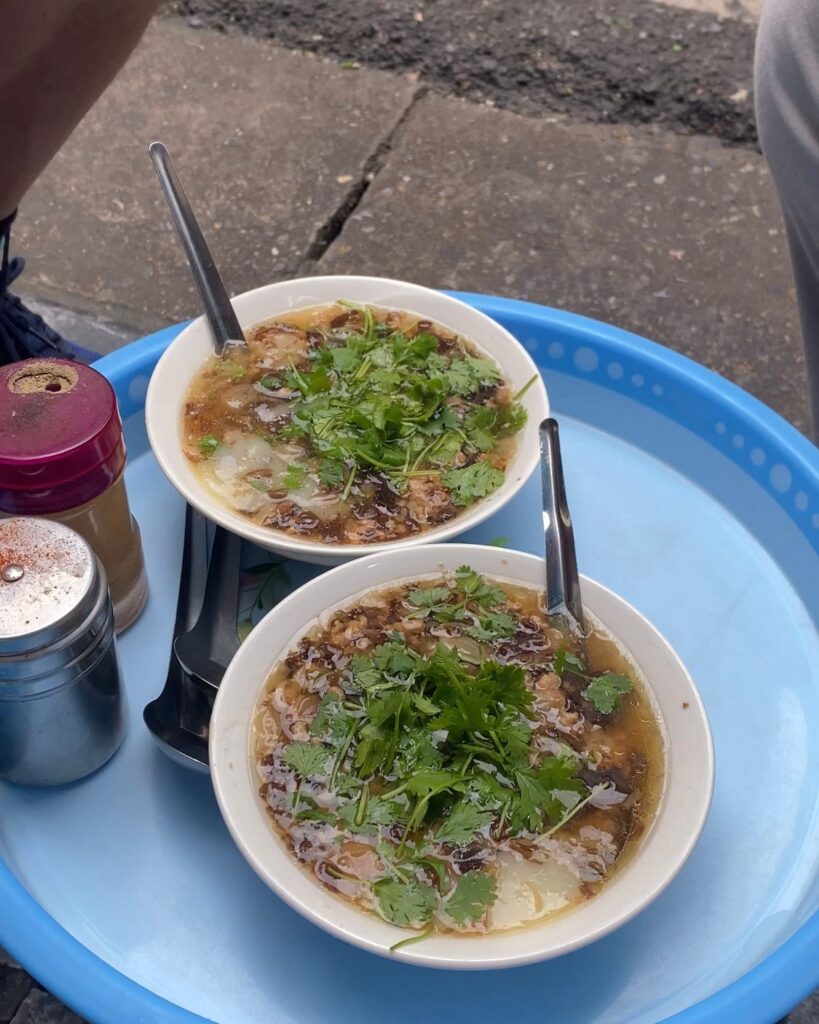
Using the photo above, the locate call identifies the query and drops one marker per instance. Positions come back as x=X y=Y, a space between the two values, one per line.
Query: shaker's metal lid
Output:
x=48 y=583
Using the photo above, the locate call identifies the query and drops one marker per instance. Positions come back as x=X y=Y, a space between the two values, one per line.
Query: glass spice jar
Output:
x=62 y=456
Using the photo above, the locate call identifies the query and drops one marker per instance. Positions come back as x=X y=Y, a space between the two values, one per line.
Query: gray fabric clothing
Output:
x=786 y=81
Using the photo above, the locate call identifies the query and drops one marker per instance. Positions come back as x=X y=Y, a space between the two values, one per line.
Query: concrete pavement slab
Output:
x=41 y=1008
x=14 y=986
x=676 y=238
x=270 y=145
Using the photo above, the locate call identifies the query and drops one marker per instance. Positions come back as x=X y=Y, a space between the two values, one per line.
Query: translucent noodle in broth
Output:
x=438 y=755
x=351 y=425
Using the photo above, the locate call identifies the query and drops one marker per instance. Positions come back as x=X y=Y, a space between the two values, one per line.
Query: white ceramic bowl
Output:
x=663 y=851
x=187 y=353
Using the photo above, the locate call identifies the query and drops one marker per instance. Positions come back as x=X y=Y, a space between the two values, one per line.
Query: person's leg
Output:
x=786 y=79
x=56 y=58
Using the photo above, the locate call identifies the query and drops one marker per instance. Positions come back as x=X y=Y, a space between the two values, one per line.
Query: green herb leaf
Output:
x=474 y=893
x=536 y=792
x=332 y=473
x=428 y=597
x=472 y=482
x=494 y=626
x=477 y=588
x=605 y=691
x=332 y=722
x=407 y=904
x=208 y=445
x=568 y=662
x=306 y=759
x=395 y=658
x=294 y=476
x=463 y=822
x=467 y=375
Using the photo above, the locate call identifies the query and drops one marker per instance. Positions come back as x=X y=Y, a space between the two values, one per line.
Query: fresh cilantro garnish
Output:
x=395 y=658
x=467 y=375
x=306 y=759
x=463 y=822
x=420 y=749
x=331 y=473
x=429 y=597
x=568 y=662
x=293 y=477
x=407 y=903
x=270 y=383
x=604 y=691
x=475 y=891
x=536 y=797
x=332 y=722
x=375 y=400
x=494 y=626
x=230 y=369
x=477 y=588
x=208 y=445
x=472 y=482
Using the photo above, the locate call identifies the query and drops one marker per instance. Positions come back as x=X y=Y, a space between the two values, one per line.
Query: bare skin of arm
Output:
x=56 y=59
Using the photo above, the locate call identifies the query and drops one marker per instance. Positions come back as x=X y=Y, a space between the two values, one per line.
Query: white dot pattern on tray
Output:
x=757 y=457
x=586 y=359
x=780 y=478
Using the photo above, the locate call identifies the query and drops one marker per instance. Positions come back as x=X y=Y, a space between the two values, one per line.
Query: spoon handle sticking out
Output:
x=562 y=582
x=209 y=284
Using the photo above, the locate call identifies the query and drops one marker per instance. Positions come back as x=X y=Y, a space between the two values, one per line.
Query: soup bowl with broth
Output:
x=429 y=766
x=361 y=415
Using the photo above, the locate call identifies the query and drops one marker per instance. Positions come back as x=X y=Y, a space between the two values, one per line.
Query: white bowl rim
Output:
x=196 y=494
x=227 y=743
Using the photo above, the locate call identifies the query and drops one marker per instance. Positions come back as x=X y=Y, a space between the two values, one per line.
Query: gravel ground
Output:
x=611 y=61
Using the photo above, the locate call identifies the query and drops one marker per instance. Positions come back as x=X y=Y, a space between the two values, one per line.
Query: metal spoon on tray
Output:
x=215 y=302
x=562 y=582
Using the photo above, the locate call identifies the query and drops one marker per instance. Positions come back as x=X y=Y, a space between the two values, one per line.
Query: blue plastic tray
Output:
x=125 y=896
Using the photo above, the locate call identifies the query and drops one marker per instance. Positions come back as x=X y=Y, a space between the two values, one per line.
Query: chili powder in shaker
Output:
x=62 y=456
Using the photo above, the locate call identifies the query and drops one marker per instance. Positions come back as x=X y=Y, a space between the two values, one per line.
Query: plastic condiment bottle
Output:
x=62 y=456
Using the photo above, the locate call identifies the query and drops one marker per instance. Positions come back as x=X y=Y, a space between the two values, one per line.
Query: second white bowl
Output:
x=663 y=851
x=189 y=350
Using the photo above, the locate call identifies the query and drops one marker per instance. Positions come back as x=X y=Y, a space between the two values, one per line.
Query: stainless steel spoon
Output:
x=218 y=309
x=562 y=582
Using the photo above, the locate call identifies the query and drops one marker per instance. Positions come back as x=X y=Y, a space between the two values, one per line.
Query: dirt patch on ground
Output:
x=610 y=61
